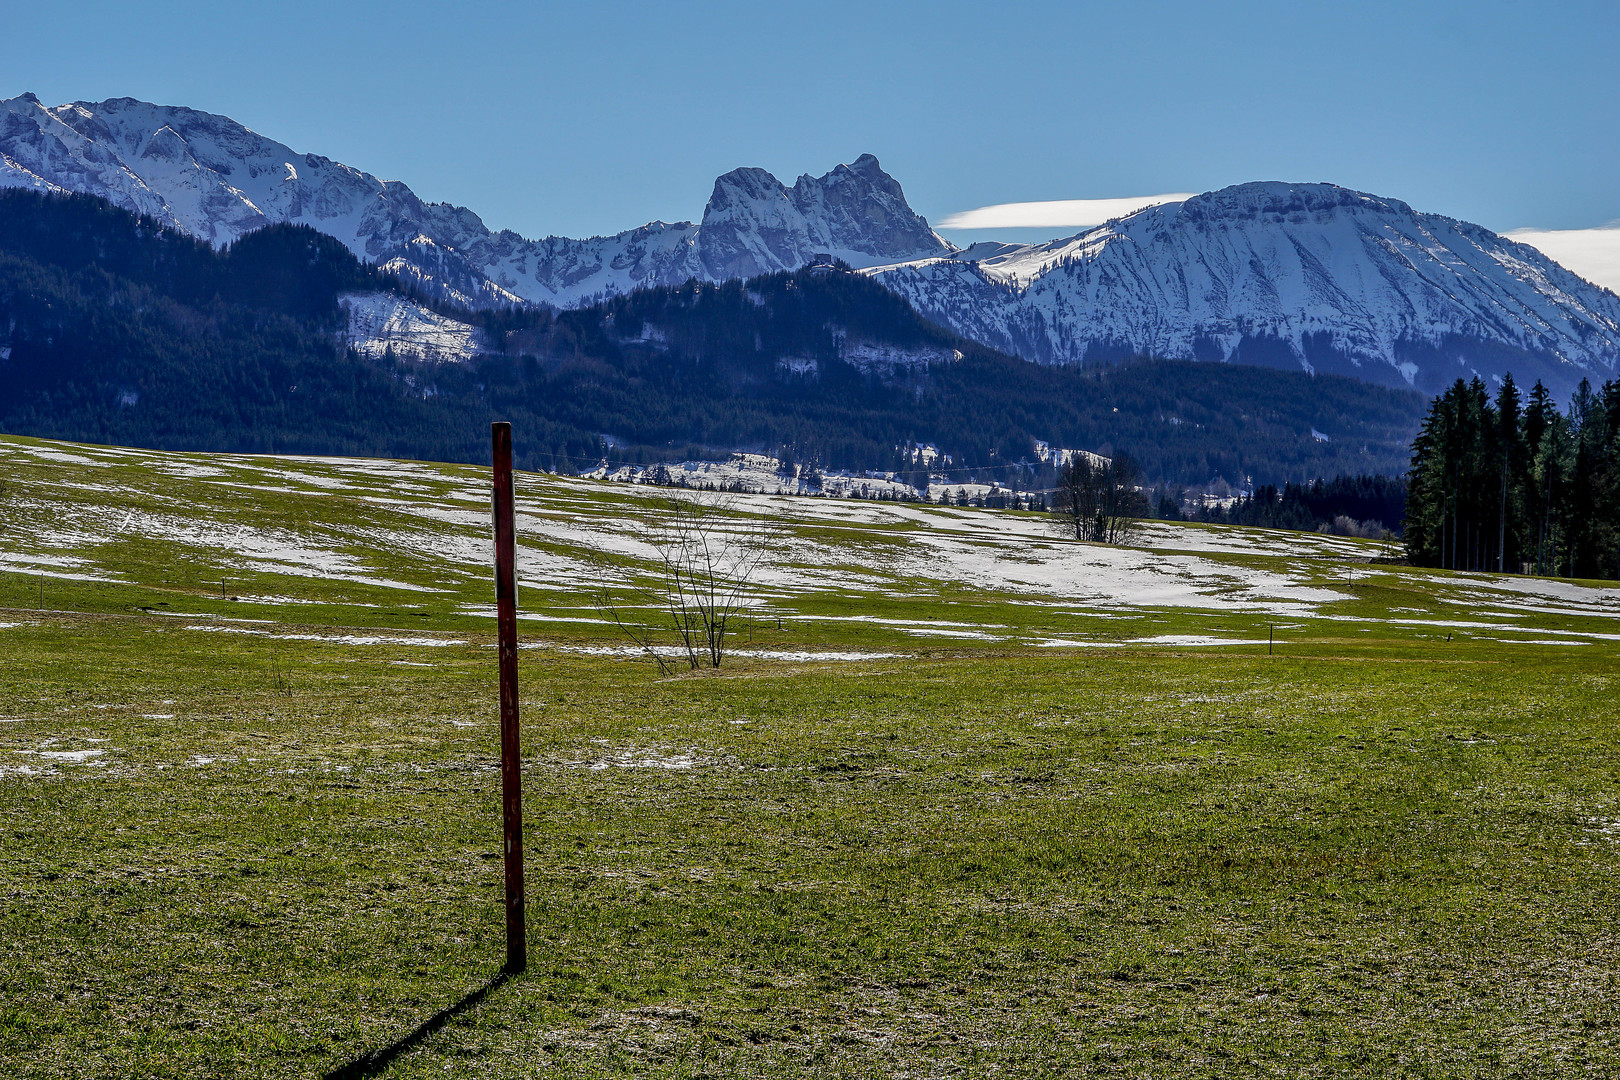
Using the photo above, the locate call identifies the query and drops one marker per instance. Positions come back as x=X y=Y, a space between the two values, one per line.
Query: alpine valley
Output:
x=119 y=330
x=1312 y=279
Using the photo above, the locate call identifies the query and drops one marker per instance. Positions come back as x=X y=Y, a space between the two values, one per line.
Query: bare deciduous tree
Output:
x=707 y=557
x=1097 y=498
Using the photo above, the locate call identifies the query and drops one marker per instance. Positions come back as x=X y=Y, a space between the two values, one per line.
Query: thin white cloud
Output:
x=1592 y=253
x=1060 y=214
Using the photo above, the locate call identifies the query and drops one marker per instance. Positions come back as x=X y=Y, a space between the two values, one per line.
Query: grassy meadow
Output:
x=966 y=799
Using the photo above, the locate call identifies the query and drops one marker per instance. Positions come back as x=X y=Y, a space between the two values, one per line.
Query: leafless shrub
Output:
x=1345 y=525
x=707 y=557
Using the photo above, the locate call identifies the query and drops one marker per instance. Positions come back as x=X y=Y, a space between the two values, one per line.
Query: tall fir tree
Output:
x=1496 y=487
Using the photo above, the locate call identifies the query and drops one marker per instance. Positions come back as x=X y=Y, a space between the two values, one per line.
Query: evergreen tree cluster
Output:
x=1349 y=505
x=1515 y=485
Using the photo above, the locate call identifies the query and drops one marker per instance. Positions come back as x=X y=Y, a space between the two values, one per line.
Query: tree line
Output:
x=1516 y=485
x=1362 y=505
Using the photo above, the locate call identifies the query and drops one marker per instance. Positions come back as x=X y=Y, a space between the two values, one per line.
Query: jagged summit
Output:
x=216 y=179
x=856 y=212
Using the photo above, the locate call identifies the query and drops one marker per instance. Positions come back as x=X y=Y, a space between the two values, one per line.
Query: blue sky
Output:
x=590 y=118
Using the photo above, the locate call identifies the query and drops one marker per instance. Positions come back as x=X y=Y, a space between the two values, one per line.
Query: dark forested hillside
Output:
x=115 y=330
x=758 y=363
x=288 y=269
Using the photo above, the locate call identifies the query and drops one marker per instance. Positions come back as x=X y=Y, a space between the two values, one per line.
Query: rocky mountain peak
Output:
x=1308 y=275
x=754 y=224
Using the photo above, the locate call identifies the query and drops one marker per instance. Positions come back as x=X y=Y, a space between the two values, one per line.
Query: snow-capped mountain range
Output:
x=1292 y=275
x=214 y=178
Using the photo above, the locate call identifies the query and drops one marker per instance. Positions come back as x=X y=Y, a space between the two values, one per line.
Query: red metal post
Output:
x=517 y=955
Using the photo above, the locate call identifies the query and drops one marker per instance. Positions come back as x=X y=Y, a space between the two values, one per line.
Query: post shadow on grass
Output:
x=374 y=1063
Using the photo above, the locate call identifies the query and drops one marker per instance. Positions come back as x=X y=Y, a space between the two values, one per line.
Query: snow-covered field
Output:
x=287 y=534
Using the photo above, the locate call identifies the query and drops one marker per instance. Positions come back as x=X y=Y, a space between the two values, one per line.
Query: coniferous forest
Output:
x=1367 y=506
x=1514 y=484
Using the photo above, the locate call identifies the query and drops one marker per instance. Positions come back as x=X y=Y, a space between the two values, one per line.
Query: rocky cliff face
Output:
x=856 y=212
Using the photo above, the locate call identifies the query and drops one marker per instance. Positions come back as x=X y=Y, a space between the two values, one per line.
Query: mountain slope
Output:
x=114 y=329
x=217 y=180
x=1306 y=276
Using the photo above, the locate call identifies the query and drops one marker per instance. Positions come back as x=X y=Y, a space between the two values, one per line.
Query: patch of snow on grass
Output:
x=48 y=454
x=1237 y=539
x=69 y=757
x=329 y=639
x=945 y=632
x=669 y=653
x=371 y=639
x=643 y=759
x=190 y=469
x=1196 y=640
x=810 y=657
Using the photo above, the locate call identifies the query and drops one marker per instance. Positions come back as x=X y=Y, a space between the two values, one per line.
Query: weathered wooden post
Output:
x=517 y=956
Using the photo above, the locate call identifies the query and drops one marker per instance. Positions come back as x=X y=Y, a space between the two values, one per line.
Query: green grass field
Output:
x=966 y=800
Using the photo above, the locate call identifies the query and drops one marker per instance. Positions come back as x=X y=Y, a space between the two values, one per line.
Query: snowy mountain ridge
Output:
x=1310 y=276
x=215 y=179
x=1291 y=275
